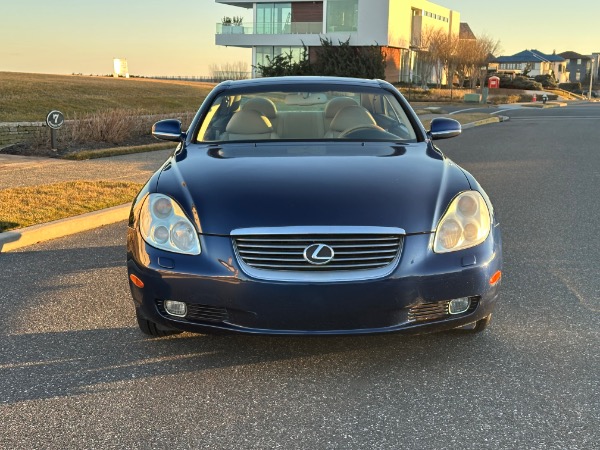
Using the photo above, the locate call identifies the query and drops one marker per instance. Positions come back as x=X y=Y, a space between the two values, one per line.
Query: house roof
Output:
x=573 y=55
x=466 y=32
x=527 y=56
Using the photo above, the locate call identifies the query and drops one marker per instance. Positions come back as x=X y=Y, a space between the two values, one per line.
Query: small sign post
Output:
x=55 y=119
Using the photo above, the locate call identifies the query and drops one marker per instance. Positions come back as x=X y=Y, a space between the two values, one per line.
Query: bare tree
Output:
x=443 y=53
x=467 y=59
x=449 y=57
x=229 y=71
x=428 y=47
x=472 y=57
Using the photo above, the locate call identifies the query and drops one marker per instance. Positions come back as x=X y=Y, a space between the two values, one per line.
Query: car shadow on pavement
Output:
x=61 y=364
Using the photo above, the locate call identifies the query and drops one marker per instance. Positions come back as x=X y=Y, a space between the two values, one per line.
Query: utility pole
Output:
x=591 y=77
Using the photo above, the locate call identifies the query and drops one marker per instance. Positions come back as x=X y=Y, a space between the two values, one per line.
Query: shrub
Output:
x=519 y=82
x=571 y=87
x=416 y=94
x=343 y=60
x=114 y=127
x=547 y=81
x=284 y=65
x=504 y=99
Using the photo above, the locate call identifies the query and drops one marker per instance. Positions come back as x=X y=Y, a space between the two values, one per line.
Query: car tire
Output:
x=152 y=329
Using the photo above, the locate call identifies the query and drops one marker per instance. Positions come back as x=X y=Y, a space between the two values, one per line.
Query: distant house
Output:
x=465 y=33
x=579 y=66
x=533 y=62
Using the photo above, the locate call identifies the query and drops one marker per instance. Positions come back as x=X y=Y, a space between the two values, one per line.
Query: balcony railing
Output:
x=272 y=28
x=245 y=28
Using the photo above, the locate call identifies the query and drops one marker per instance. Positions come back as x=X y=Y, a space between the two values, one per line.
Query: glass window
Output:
x=273 y=18
x=342 y=15
x=263 y=51
x=306 y=113
x=261 y=55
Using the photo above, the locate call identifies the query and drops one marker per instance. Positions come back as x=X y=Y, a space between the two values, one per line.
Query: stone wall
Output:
x=16 y=132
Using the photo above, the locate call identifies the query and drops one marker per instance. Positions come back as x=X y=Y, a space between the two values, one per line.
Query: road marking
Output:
x=463 y=110
x=554 y=117
x=504 y=110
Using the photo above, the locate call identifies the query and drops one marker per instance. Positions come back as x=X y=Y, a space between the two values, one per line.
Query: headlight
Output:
x=164 y=225
x=465 y=224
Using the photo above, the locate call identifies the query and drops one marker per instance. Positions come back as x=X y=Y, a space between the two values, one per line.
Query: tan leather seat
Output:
x=248 y=124
x=264 y=106
x=347 y=118
x=268 y=109
x=333 y=106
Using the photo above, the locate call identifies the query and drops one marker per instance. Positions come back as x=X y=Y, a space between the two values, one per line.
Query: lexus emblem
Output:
x=318 y=254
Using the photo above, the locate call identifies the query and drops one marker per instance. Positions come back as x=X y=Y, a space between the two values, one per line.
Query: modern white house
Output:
x=272 y=28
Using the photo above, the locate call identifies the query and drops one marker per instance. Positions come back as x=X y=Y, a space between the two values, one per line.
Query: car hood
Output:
x=240 y=185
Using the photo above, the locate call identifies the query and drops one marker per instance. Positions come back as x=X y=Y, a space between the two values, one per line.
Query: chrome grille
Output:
x=279 y=252
x=425 y=312
x=428 y=311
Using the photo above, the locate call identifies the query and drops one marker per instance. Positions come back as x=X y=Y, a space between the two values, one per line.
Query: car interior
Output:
x=330 y=115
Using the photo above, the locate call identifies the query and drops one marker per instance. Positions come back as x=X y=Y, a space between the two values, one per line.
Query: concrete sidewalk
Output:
x=18 y=171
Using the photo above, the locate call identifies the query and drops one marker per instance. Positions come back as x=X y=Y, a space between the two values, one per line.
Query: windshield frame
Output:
x=247 y=87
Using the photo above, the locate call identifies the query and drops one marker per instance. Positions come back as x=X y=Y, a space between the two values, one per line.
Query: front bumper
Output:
x=223 y=297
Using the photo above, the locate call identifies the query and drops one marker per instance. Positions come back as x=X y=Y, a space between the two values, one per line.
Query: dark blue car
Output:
x=311 y=205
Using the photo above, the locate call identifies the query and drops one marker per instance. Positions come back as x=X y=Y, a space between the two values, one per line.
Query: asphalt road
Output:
x=76 y=373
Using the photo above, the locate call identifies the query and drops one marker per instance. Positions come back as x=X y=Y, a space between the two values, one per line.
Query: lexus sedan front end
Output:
x=312 y=205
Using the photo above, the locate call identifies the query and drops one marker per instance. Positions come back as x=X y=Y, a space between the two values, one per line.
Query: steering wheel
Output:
x=367 y=132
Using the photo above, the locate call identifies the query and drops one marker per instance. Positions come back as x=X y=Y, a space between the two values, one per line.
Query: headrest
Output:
x=335 y=104
x=351 y=116
x=249 y=122
x=262 y=105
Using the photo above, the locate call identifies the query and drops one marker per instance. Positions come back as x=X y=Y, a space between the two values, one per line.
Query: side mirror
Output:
x=444 y=128
x=168 y=130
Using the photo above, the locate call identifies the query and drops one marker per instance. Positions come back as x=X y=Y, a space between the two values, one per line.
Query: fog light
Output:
x=174 y=308
x=459 y=305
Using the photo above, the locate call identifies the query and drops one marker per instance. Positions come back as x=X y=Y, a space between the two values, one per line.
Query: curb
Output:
x=12 y=240
x=477 y=123
x=542 y=106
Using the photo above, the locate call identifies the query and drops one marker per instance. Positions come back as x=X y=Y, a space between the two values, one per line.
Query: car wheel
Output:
x=152 y=329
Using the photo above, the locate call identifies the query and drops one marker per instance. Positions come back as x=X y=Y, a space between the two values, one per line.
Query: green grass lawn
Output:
x=28 y=97
x=25 y=206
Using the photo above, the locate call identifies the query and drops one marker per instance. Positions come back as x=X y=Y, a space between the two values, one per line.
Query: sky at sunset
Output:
x=177 y=37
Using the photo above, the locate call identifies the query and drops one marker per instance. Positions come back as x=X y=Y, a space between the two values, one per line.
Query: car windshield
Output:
x=367 y=114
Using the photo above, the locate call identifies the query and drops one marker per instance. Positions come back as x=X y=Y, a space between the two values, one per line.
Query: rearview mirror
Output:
x=168 y=130
x=444 y=128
